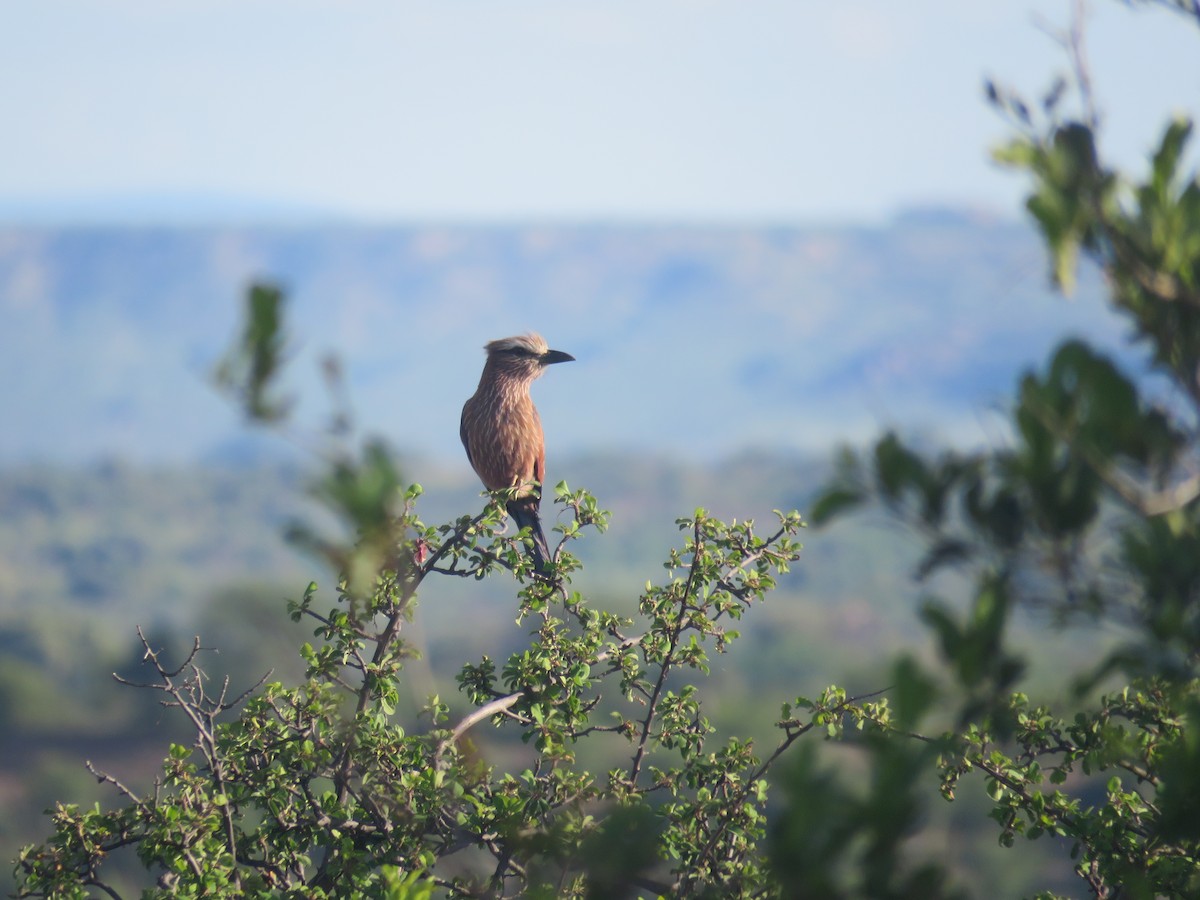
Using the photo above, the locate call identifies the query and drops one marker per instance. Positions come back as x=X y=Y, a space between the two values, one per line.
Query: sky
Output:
x=773 y=111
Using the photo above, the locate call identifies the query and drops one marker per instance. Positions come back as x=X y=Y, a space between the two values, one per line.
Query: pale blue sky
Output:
x=715 y=110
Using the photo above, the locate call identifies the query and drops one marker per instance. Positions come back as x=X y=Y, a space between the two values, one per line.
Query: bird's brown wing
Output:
x=539 y=459
x=462 y=434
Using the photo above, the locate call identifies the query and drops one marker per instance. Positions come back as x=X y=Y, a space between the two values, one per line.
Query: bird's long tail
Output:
x=525 y=514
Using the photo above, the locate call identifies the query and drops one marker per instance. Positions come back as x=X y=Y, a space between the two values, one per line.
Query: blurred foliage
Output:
x=249 y=368
x=1092 y=512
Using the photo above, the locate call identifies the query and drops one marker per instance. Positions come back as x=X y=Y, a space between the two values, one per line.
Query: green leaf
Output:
x=250 y=367
x=834 y=503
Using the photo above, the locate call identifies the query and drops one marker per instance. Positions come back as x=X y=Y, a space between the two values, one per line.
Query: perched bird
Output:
x=502 y=432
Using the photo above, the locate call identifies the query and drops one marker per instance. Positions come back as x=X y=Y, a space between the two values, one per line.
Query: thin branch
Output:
x=193 y=864
x=352 y=625
x=665 y=666
x=458 y=537
x=499 y=705
x=1072 y=40
x=1148 y=504
x=100 y=885
x=626 y=644
x=791 y=736
x=105 y=777
x=153 y=657
x=980 y=762
x=1076 y=48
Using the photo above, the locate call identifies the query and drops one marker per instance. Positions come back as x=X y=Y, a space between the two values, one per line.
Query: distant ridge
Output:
x=693 y=340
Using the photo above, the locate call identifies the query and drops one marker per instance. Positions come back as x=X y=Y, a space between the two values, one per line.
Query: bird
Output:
x=502 y=431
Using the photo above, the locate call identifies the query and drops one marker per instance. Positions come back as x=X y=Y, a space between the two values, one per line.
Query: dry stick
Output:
x=105 y=777
x=153 y=657
x=202 y=720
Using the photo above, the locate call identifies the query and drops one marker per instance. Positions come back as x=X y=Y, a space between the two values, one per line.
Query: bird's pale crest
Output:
x=531 y=343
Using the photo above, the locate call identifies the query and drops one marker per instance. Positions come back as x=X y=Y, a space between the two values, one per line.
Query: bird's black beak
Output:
x=556 y=356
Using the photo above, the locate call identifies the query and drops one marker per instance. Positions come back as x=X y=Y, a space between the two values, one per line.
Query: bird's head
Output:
x=524 y=356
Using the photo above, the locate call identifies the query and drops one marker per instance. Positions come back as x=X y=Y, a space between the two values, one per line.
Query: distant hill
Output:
x=690 y=340
x=159 y=207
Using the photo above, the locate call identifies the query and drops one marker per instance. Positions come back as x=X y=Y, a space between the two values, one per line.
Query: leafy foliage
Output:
x=249 y=368
x=316 y=789
x=1092 y=513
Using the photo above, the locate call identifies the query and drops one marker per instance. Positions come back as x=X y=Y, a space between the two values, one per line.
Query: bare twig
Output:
x=105 y=777
x=1073 y=41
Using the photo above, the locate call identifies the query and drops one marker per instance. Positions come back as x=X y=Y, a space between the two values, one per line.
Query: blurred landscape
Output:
x=799 y=336
x=717 y=367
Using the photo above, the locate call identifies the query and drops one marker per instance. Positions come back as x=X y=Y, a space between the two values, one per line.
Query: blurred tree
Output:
x=1090 y=514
